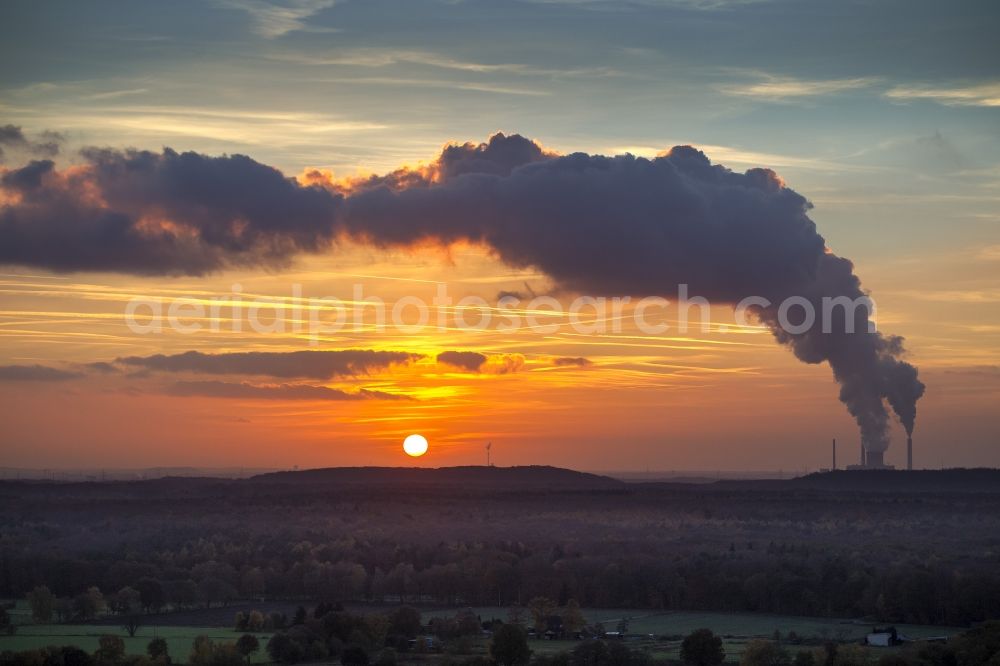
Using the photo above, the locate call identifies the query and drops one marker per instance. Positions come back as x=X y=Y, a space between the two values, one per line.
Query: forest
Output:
x=927 y=557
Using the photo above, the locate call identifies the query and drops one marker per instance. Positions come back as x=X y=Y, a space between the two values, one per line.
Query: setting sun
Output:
x=415 y=445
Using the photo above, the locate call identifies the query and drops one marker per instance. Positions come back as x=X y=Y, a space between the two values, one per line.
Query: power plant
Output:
x=870 y=460
x=876 y=459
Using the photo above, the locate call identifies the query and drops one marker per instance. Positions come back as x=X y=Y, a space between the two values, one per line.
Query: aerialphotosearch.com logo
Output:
x=319 y=317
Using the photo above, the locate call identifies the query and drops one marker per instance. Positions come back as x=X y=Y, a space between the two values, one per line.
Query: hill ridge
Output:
x=472 y=475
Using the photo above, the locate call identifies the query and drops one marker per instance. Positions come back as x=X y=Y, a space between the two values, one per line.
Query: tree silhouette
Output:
x=509 y=646
x=702 y=648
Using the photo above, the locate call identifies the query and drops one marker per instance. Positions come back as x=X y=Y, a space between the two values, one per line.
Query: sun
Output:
x=415 y=445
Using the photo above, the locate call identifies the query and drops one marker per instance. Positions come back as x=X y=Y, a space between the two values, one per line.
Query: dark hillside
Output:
x=929 y=481
x=499 y=478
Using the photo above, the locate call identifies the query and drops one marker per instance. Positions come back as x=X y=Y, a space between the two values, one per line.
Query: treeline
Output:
x=783 y=579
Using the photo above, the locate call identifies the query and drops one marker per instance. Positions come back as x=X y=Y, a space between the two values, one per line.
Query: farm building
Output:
x=883 y=637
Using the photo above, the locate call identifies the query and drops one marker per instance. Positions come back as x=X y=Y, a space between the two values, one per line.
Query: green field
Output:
x=735 y=628
x=85 y=636
x=657 y=649
x=736 y=625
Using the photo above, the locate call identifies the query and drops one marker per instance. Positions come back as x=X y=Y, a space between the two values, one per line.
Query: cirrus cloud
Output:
x=244 y=390
x=35 y=373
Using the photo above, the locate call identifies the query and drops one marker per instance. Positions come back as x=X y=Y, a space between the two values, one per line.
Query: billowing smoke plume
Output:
x=599 y=225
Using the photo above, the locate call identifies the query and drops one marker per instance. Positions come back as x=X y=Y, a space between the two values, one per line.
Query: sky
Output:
x=884 y=116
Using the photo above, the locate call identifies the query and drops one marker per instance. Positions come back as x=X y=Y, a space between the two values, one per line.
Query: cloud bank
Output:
x=492 y=364
x=594 y=224
x=284 y=365
x=35 y=373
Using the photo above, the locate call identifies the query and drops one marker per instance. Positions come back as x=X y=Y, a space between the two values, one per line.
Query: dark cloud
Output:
x=102 y=367
x=35 y=373
x=593 y=224
x=494 y=364
x=613 y=225
x=216 y=389
x=571 y=361
x=161 y=213
x=12 y=138
x=466 y=360
x=498 y=156
x=286 y=365
x=27 y=179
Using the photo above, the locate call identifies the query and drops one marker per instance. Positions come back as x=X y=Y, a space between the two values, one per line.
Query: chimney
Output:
x=909 y=453
x=834 y=468
x=862 y=453
x=875 y=459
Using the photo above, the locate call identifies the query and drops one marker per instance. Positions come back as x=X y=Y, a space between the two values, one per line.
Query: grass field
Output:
x=736 y=625
x=736 y=629
x=85 y=636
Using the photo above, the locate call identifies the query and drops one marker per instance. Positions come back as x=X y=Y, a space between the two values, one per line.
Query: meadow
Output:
x=735 y=625
x=658 y=633
x=85 y=637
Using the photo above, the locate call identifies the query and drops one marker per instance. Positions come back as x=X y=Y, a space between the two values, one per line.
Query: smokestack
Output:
x=875 y=459
x=834 y=468
x=862 y=453
x=909 y=453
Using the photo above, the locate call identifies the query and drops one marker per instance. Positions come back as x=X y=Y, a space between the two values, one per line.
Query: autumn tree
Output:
x=247 y=645
x=128 y=603
x=158 y=649
x=509 y=646
x=702 y=648
x=87 y=605
x=42 y=603
x=110 y=649
x=202 y=651
x=541 y=608
x=151 y=594
x=572 y=617
x=255 y=621
x=405 y=621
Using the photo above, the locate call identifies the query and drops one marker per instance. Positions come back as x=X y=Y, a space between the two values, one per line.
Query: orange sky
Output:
x=705 y=400
x=894 y=141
